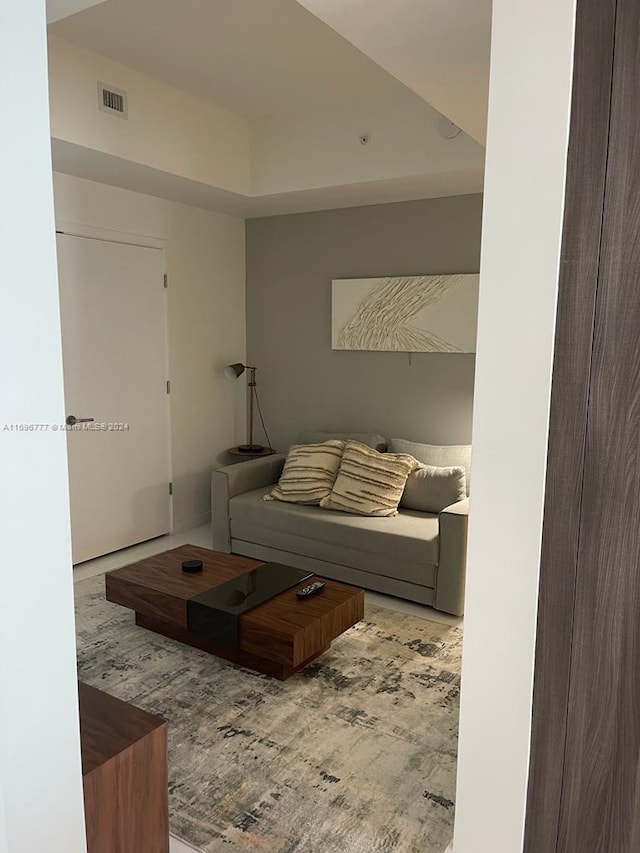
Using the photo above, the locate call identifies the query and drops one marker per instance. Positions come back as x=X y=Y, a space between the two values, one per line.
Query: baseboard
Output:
x=178 y=846
x=179 y=526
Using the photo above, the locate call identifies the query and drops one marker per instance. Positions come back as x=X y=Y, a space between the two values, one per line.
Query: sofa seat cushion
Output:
x=268 y=544
x=409 y=536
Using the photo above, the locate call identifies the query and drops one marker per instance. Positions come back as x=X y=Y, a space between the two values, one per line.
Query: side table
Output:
x=266 y=451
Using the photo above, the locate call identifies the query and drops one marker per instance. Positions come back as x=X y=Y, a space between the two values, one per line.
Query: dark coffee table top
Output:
x=162 y=574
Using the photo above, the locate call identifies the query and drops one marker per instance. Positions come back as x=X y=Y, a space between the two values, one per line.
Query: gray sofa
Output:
x=415 y=555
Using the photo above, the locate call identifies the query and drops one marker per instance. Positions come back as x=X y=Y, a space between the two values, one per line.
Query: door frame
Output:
x=108 y=235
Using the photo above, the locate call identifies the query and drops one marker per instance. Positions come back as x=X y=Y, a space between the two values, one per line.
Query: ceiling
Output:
x=314 y=66
x=252 y=57
x=118 y=172
x=440 y=49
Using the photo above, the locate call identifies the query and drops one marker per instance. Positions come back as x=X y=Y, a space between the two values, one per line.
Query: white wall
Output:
x=166 y=129
x=322 y=149
x=40 y=776
x=205 y=260
x=523 y=208
x=3 y=826
x=290 y=263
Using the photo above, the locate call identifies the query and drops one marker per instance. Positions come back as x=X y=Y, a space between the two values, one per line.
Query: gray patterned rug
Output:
x=354 y=754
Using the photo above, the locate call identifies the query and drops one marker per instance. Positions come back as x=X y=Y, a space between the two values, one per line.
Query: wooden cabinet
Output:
x=124 y=769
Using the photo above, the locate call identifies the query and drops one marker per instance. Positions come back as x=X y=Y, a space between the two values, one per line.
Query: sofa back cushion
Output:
x=309 y=473
x=378 y=442
x=438 y=455
x=431 y=489
x=369 y=482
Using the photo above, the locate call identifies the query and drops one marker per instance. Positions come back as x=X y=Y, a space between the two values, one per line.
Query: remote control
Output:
x=312 y=589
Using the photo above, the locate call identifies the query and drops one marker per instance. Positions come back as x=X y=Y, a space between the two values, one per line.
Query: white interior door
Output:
x=114 y=346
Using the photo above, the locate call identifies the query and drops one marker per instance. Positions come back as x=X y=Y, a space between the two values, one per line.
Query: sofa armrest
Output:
x=450 y=578
x=232 y=480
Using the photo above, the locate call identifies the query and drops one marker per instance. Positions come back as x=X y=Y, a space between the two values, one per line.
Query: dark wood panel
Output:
x=586 y=170
x=600 y=804
x=138 y=596
x=274 y=668
x=125 y=776
x=126 y=802
x=291 y=630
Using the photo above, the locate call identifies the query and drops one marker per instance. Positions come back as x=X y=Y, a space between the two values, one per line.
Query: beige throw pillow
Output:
x=431 y=489
x=439 y=455
x=309 y=473
x=368 y=482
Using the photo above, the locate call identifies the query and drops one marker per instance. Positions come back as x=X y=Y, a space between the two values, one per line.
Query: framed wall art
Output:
x=420 y=313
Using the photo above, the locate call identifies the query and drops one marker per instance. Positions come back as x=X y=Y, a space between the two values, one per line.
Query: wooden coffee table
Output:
x=278 y=637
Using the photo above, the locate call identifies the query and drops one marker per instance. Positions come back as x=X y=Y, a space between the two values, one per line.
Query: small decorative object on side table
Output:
x=251 y=454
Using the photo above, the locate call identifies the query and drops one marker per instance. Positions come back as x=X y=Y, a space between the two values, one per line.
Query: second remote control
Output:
x=312 y=589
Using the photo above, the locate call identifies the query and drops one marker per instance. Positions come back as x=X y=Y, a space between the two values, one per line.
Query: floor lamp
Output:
x=233 y=372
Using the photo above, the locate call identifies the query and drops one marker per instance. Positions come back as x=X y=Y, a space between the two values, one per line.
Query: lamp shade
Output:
x=233 y=371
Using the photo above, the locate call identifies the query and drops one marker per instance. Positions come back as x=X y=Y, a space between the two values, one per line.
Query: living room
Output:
x=211 y=158
x=249 y=276
x=379 y=184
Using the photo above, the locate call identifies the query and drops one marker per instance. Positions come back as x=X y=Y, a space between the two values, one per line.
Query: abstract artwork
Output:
x=420 y=313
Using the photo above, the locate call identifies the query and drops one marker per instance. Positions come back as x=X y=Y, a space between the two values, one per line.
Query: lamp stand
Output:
x=250 y=447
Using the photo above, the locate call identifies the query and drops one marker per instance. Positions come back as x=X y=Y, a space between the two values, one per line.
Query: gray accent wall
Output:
x=303 y=383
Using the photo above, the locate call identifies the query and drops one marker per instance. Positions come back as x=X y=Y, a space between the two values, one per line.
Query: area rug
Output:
x=354 y=754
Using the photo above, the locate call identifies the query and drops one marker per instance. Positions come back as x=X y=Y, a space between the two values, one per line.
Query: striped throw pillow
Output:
x=309 y=473
x=369 y=482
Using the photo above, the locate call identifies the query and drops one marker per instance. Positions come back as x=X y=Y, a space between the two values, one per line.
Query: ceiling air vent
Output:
x=112 y=100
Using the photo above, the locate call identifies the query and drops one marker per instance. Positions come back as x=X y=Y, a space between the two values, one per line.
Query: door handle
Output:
x=72 y=420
